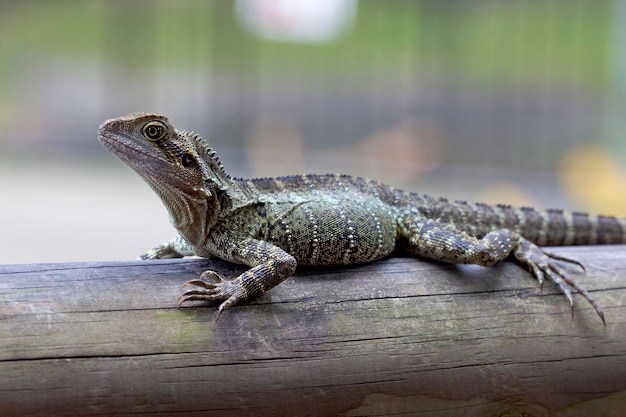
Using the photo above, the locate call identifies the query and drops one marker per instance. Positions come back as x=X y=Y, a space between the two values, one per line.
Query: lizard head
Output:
x=179 y=165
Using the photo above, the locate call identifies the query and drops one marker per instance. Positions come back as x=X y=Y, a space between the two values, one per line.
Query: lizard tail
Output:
x=551 y=227
x=592 y=229
x=562 y=228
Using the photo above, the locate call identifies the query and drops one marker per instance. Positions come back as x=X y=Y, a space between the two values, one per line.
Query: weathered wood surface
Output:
x=399 y=337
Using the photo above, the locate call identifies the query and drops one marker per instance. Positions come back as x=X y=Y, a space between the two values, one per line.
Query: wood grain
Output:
x=400 y=337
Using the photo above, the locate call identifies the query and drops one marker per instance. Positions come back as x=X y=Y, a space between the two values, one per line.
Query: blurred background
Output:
x=520 y=101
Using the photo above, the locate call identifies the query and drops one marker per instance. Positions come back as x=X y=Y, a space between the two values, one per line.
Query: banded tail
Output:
x=574 y=228
x=555 y=227
x=551 y=227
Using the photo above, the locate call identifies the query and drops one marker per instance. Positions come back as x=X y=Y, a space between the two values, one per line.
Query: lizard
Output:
x=273 y=225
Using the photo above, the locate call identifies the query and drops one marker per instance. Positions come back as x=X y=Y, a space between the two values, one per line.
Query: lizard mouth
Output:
x=135 y=157
x=149 y=165
x=125 y=151
x=144 y=159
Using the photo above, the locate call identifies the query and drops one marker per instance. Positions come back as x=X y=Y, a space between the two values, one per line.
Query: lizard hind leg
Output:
x=546 y=265
x=443 y=242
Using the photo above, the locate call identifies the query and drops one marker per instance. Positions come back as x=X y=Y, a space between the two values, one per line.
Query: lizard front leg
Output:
x=270 y=266
x=430 y=239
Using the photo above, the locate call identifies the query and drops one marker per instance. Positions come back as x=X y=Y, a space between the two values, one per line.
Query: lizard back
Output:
x=548 y=227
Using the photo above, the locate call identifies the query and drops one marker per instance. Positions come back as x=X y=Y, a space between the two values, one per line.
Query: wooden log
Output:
x=399 y=337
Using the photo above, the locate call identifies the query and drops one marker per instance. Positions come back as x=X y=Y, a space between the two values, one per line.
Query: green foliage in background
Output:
x=484 y=41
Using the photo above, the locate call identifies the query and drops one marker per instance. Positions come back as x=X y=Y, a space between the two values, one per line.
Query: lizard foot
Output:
x=544 y=264
x=163 y=251
x=212 y=287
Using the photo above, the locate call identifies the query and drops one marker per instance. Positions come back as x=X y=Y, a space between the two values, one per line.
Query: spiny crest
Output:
x=205 y=152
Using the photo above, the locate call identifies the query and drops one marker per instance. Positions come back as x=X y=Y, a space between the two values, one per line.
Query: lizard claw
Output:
x=208 y=289
x=544 y=264
x=564 y=259
x=203 y=280
x=212 y=287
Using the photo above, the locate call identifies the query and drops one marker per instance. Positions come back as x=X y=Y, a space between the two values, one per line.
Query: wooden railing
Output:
x=399 y=337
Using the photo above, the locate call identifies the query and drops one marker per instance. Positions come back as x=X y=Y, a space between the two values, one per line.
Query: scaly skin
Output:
x=274 y=224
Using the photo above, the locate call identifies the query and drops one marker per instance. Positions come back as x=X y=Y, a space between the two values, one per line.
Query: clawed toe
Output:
x=208 y=279
x=545 y=265
x=206 y=275
x=194 y=295
x=557 y=276
x=208 y=292
x=210 y=289
x=582 y=291
x=563 y=281
x=564 y=259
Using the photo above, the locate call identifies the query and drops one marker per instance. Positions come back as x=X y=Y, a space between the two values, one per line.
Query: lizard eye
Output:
x=154 y=130
x=189 y=161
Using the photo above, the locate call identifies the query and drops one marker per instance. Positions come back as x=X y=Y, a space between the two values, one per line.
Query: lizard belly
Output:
x=334 y=231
